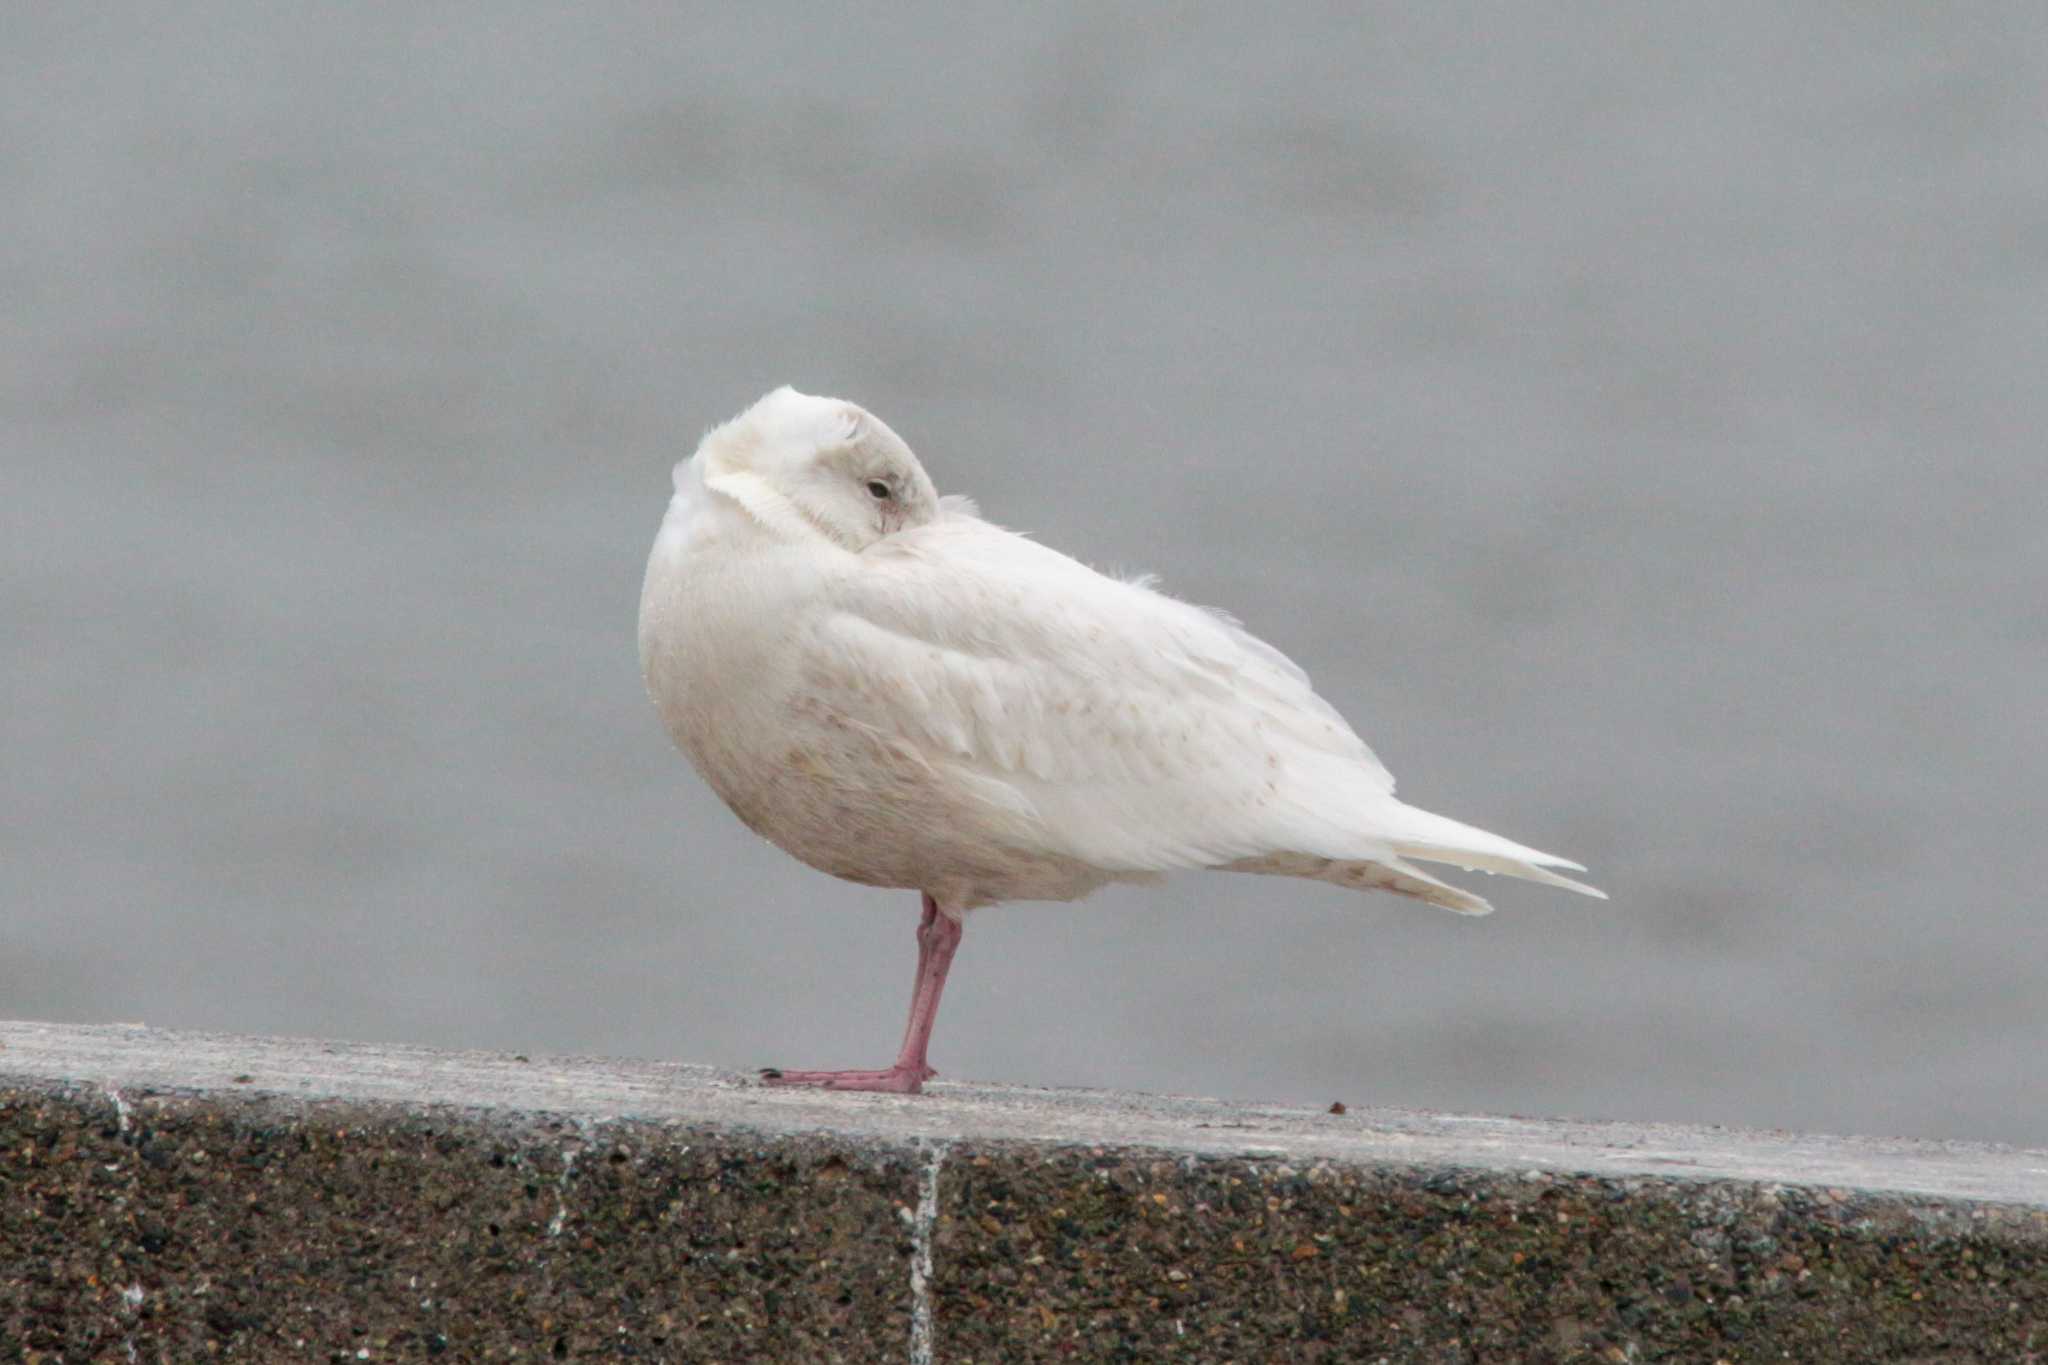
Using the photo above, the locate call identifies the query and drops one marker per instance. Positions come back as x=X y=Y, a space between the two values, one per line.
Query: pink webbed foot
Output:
x=937 y=936
x=897 y=1080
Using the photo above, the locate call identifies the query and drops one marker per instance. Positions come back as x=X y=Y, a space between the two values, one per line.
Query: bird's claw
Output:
x=895 y=1080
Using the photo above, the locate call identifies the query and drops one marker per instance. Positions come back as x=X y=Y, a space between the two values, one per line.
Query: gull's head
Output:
x=833 y=462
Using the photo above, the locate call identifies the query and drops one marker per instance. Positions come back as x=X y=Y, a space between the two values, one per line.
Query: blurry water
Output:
x=1632 y=420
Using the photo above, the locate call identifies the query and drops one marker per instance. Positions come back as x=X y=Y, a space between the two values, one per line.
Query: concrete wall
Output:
x=180 y=1197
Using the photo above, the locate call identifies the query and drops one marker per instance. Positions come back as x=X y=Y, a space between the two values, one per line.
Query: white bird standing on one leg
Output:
x=901 y=694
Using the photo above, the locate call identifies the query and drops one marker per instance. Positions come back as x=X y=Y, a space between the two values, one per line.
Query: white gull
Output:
x=901 y=694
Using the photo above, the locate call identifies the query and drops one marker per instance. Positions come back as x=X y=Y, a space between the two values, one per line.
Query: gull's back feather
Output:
x=1127 y=730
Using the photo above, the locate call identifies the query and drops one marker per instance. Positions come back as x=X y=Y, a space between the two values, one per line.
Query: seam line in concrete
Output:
x=555 y=1224
x=921 y=1324
x=121 y=1109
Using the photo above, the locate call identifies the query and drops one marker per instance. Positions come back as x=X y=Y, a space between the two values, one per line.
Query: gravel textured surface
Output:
x=181 y=1197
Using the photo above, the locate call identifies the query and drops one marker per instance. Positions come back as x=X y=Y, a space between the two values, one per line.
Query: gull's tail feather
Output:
x=1507 y=867
x=1397 y=832
x=1406 y=879
x=1384 y=873
x=1414 y=833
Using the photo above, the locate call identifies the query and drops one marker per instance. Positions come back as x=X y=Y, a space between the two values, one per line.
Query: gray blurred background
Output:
x=1632 y=419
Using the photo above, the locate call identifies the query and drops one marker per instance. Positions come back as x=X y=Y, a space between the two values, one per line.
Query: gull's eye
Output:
x=879 y=490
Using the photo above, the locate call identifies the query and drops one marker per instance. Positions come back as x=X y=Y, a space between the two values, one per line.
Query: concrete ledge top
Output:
x=120 y=1058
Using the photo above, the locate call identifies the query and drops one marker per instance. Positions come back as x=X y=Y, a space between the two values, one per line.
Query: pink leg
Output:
x=937 y=936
